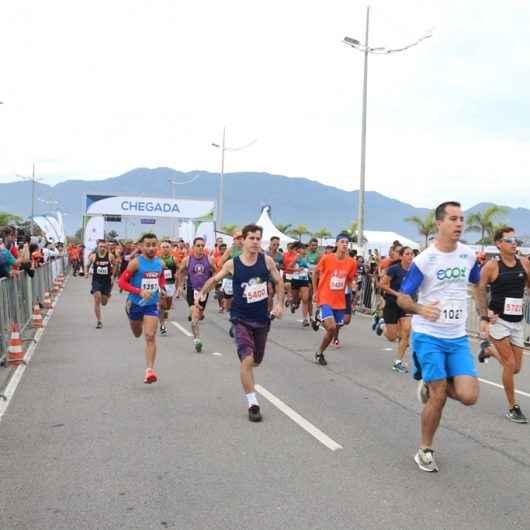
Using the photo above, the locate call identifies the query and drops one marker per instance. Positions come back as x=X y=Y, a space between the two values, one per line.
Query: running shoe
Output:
x=99 y=325
x=231 y=331
x=198 y=345
x=516 y=415
x=400 y=367
x=150 y=376
x=422 y=393
x=293 y=309
x=337 y=343
x=375 y=321
x=163 y=330
x=254 y=413
x=425 y=460
x=305 y=323
x=484 y=352
x=320 y=359
x=379 y=328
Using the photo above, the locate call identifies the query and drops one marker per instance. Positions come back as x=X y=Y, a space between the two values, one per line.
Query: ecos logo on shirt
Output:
x=452 y=273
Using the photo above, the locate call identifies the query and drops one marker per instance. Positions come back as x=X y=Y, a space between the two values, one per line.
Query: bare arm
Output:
x=226 y=270
x=226 y=256
x=480 y=291
x=277 y=278
x=385 y=285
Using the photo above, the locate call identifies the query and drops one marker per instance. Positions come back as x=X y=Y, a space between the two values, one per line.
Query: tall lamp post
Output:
x=223 y=148
x=33 y=180
x=365 y=49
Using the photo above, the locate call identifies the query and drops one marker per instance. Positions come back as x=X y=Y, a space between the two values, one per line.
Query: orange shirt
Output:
x=178 y=254
x=334 y=276
x=384 y=264
x=288 y=261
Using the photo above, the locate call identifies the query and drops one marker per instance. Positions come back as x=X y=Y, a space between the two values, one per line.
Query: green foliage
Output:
x=283 y=228
x=7 y=218
x=484 y=222
x=298 y=232
x=229 y=229
x=322 y=234
x=426 y=227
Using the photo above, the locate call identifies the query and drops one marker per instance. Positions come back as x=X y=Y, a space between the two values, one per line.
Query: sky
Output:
x=91 y=90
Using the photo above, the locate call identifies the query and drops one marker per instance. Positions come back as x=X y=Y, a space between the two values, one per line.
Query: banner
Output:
x=48 y=228
x=62 y=234
x=151 y=206
x=95 y=229
x=187 y=231
x=55 y=223
x=207 y=230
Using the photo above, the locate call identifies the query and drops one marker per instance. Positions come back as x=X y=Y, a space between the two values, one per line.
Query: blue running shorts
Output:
x=443 y=358
x=138 y=312
x=327 y=312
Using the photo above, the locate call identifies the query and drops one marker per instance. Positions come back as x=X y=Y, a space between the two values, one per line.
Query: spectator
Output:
x=7 y=261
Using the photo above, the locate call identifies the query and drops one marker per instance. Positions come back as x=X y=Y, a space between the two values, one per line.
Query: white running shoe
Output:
x=425 y=460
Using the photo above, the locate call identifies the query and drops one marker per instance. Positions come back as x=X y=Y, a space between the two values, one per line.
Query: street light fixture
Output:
x=33 y=180
x=174 y=183
x=223 y=148
x=366 y=49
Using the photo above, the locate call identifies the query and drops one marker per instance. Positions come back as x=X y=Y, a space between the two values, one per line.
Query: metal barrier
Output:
x=18 y=295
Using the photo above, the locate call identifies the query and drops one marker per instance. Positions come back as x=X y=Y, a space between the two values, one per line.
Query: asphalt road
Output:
x=85 y=444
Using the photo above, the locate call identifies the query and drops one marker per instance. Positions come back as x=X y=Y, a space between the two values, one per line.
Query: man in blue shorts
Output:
x=440 y=276
x=143 y=279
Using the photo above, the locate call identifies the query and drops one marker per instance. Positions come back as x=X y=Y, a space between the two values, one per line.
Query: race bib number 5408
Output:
x=256 y=293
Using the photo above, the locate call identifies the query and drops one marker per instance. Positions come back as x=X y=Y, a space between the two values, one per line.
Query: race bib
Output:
x=256 y=293
x=336 y=283
x=288 y=277
x=513 y=306
x=149 y=284
x=228 y=287
x=102 y=270
x=452 y=312
x=168 y=274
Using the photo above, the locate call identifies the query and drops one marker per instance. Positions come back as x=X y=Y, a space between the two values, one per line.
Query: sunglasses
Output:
x=510 y=240
x=200 y=246
x=238 y=237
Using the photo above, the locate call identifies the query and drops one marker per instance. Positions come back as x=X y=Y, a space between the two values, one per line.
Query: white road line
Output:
x=501 y=387
x=217 y=354
x=181 y=328
x=301 y=421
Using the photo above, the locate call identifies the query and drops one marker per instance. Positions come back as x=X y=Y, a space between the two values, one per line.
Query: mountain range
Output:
x=292 y=200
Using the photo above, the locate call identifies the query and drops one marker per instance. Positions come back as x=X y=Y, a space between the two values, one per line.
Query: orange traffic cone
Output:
x=47 y=300
x=15 y=353
x=36 y=318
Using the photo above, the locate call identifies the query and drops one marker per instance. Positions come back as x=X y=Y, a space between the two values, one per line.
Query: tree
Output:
x=321 y=234
x=426 y=227
x=6 y=218
x=484 y=222
x=298 y=232
x=79 y=234
x=229 y=229
x=112 y=234
x=283 y=228
x=352 y=231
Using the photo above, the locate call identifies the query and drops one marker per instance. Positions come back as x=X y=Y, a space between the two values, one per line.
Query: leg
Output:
x=246 y=374
x=304 y=292
x=510 y=360
x=136 y=327
x=404 y=337
x=104 y=299
x=97 y=305
x=150 y=327
x=331 y=327
x=463 y=388
x=432 y=412
x=391 y=331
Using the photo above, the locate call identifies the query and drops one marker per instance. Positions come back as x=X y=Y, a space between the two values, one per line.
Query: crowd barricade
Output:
x=18 y=296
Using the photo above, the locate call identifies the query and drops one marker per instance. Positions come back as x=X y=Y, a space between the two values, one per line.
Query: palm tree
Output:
x=6 y=218
x=112 y=234
x=321 y=234
x=426 y=227
x=283 y=228
x=229 y=229
x=299 y=231
x=484 y=222
x=352 y=231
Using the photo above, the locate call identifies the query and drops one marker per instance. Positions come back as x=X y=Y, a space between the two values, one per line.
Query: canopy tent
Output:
x=270 y=230
x=381 y=240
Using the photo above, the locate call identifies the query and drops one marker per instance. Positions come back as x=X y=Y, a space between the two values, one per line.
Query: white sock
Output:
x=252 y=400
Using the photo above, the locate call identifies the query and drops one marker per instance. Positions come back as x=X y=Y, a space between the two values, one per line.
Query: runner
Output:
x=508 y=276
x=313 y=257
x=349 y=293
x=289 y=258
x=277 y=256
x=440 y=276
x=170 y=274
x=198 y=268
x=300 y=284
x=250 y=316
x=143 y=279
x=397 y=322
x=333 y=273
x=227 y=286
x=101 y=265
x=218 y=290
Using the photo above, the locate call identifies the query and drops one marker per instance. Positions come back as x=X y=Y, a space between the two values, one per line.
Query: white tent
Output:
x=381 y=240
x=270 y=230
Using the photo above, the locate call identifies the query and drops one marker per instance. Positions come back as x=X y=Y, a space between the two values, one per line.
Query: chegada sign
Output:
x=153 y=206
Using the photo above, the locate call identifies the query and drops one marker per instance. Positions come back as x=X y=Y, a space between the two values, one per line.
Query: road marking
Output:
x=181 y=328
x=301 y=421
x=388 y=349
x=216 y=353
x=500 y=386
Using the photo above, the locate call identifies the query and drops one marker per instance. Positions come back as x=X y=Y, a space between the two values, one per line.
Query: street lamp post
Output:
x=223 y=148
x=366 y=49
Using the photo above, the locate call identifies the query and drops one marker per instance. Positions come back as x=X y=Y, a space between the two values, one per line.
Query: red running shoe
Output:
x=150 y=376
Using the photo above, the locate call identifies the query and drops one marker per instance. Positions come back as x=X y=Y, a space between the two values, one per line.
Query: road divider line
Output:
x=520 y=392
x=300 y=420
x=183 y=329
x=217 y=354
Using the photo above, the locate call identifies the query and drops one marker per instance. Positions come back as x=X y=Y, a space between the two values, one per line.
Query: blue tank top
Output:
x=146 y=278
x=250 y=290
x=199 y=271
